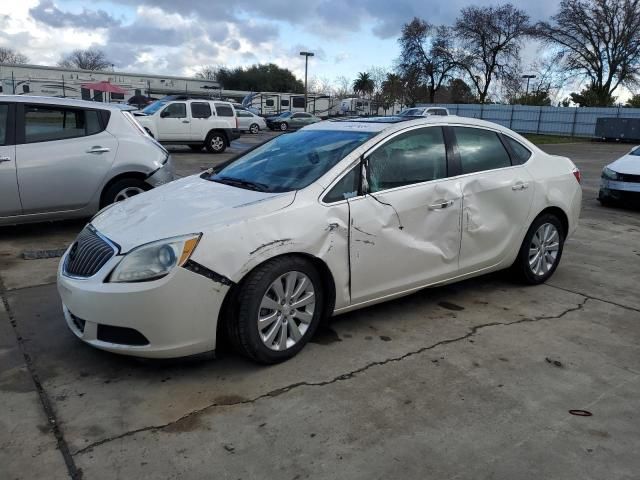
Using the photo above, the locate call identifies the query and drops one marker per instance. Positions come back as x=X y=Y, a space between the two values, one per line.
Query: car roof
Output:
x=69 y=102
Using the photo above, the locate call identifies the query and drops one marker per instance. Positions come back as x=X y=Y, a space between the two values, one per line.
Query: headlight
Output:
x=155 y=260
x=609 y=174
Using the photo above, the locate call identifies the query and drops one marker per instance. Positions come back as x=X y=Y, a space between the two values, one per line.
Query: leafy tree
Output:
x=460 y=92
x=490 y=42
x=634 y=101
x=363 y=85
x=598 y=40
x=392 y=89
x=89 y=59
x=427 y=49
x=538 y=98
x=8 y=55
x=260 y=78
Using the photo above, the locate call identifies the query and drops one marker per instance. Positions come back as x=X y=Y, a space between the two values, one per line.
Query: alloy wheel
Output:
x=128 y=193
x=286 y=311
x=543 y=251
x=217 y=143
x=254 y=128
x=283 y=126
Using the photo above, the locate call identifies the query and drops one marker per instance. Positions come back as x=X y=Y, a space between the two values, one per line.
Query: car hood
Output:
x=629 y=164
x=189 y=205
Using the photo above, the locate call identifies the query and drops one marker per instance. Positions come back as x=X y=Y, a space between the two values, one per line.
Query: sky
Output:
x=177 y=37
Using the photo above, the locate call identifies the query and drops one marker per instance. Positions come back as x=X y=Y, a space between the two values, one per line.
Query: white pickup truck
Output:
x=194 y=122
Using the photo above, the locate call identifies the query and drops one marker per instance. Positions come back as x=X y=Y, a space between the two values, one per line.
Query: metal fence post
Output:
x=539 y=117
x=573 y=125
x=511 y=118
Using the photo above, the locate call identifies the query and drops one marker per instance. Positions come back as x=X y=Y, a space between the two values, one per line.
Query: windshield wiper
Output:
x=259 y=187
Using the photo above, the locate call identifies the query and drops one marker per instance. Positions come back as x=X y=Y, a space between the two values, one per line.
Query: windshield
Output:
x=154 y=107
x=291 y=161
x=412 y=112
x=636 y=152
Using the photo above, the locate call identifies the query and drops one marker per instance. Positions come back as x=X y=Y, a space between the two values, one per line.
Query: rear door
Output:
x=63 y=155
x=245 y=119
x=497 y=195
x=227 y=113
x=9 y=196
x=200 y=120
x=174 y=123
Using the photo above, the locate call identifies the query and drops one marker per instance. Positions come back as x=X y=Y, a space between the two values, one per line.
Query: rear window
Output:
x=480 y=150
x=520 y=153
x=224 y=110
x=47 y=123
x=4 y=115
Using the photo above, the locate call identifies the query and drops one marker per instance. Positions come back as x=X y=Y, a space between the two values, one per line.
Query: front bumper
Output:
x=619 y=191
x=165 y=174
x=175 y=316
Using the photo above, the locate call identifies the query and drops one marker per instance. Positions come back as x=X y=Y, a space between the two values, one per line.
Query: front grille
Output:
x=625 y=177
x=88 y=254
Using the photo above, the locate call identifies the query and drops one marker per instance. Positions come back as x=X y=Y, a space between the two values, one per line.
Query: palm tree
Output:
x=363 y=85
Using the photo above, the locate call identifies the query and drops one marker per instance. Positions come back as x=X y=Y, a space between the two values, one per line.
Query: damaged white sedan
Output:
x=334 y=217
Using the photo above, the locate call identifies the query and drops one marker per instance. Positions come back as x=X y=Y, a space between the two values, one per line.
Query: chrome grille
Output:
x=626 y=177
x=88 y=254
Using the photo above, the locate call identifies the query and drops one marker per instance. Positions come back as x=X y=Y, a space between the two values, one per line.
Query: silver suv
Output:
x=62 y=158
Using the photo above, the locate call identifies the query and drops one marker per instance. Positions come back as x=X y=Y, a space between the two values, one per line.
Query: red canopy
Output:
x=103 y=86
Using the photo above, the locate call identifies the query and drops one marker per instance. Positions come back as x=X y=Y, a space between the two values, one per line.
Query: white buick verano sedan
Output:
x=334 y=217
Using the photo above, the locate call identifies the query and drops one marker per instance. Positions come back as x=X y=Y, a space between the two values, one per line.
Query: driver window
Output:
x=413 y=157
x=175 y=110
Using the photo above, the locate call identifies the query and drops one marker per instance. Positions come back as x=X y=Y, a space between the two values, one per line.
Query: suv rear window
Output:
x=224 y=110
x=200 y=110
x=47 y=123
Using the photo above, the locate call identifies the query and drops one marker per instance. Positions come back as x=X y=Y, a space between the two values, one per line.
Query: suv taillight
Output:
x=577 y=174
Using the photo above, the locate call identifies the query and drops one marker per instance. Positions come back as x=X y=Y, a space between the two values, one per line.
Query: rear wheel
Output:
x=541 y=250
x=284 y=126
x=254 y=128
x=279 y=309
x=123 y=189
x=215 y=142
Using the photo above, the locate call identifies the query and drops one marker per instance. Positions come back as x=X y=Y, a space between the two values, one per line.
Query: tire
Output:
x=125 y=186
x=254 y=128
x=283 y=127
x=216 y=142
x=541 y=229
x=243 y=330
x=196 y=148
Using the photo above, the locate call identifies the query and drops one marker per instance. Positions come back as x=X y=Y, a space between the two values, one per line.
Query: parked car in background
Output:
x=250 y=122
x=620 y=180
x=335 y=217
x=423 y=111
x=291 y=121
x=62 y=158
x=195 y=122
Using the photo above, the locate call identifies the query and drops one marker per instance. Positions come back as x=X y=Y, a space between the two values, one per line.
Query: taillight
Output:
x=237 y=124
x=577 y=174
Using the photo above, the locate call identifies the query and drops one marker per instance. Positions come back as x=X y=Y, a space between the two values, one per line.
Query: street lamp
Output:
x=306 y=66
x=528 y=77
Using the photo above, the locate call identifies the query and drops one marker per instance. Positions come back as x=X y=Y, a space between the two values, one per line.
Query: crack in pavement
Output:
x=590 y=297
x=74 y=472
x=345 y=376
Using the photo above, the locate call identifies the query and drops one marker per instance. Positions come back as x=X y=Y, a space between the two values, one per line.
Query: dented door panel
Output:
x=404 y=238
x=495 y=209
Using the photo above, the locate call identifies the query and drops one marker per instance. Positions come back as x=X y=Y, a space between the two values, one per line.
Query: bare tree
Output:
x=428 y=50
x=598 y=40
x=489 y=43
x=208 y=72
x=342 y=86
x=89 y=59
x=8 y=55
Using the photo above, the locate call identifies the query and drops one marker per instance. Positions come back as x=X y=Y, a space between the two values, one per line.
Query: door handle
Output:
x=185 y=121
x=4 y=159
x=520 y=186
x=98 y=149
x=441 y=205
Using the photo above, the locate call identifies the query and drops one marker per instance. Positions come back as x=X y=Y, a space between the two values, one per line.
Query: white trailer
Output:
x=273 y=103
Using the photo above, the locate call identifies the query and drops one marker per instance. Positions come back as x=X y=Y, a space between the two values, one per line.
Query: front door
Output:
x=63 y=156
x=174 y=123
x=497 y=197
x=406 y=233
x=9 y=197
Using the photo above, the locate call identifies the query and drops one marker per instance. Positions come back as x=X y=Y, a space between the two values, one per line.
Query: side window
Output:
x=269 y=102
x=175 y=110
x=298 y=102
x=480 y=150
x=93 y=122
x=413 y=157
x=200 y=110
x=4 y=117
x=224 y=110
x=44 y=123
x=243 y=113
x=297 y=115
x=520 y=153
x=284 y=103
x=346 y=188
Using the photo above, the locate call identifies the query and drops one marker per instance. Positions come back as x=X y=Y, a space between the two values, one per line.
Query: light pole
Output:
x=528 y=77
x=306 y=66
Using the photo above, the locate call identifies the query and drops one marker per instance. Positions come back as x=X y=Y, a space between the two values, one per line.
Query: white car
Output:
x=621 y=179
x=332 y=218
x=198 y=123
x=424 y=111
x=63 y=158
x=250 y=122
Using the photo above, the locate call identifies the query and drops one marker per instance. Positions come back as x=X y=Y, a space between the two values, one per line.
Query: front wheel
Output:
x=215 y=143
x=541 y=250
x=254 y=128
x=279 y=308
x=284 y=127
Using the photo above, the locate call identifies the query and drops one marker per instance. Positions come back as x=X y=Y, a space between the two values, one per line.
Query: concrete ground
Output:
x=474 y=380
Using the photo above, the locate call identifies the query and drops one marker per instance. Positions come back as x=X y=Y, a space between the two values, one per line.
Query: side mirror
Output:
x=164 y=114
